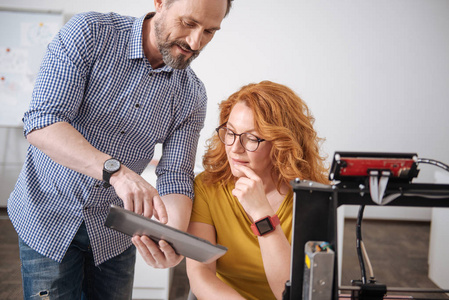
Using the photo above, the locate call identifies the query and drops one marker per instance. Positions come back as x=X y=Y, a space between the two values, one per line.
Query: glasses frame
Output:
x=259 y=140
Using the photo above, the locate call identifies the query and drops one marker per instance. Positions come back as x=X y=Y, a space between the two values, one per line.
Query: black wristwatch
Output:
x=265 y=225
x=110 y=166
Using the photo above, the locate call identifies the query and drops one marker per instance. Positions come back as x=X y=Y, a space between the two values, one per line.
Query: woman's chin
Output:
x=237 y=173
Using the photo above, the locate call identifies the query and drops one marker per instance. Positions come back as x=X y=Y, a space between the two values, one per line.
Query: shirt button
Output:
x=97 y=185
x=122 y=132
x=137 y=105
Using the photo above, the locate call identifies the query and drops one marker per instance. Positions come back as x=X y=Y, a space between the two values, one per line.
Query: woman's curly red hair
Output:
x=282 y=118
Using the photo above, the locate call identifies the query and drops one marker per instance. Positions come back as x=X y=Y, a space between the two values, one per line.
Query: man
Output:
x=110 y=87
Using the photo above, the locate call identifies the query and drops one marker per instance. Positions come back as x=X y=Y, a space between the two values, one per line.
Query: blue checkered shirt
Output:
x=96 y=77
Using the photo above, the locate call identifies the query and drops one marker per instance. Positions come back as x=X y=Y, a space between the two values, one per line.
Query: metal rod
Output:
x=397 y=289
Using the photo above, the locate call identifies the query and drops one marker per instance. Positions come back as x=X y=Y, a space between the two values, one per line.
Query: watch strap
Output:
x=106 y=177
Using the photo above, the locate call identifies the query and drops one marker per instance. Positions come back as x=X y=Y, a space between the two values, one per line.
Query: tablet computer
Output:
x=183 y=243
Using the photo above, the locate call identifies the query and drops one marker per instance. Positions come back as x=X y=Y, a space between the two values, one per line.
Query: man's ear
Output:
x=158 y=5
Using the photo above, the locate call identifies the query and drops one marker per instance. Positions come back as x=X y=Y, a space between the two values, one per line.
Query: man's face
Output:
x=184 y=28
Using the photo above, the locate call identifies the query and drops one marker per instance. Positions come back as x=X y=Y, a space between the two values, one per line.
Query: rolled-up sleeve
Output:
x=175 y=170
x=60 y=83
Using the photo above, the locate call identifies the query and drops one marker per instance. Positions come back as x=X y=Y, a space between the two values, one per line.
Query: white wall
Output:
x=374 y=73
x=130 y=7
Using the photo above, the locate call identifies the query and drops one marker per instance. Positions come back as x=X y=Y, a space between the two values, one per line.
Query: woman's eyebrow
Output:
x=229 y=125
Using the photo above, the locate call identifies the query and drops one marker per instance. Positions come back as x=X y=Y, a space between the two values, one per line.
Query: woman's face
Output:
x=241 y=120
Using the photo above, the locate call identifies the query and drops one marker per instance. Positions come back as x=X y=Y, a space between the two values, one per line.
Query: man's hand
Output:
x=162 y=255
x=138 y=195
x=158 y=256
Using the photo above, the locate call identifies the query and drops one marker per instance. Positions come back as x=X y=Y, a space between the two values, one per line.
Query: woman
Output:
x=266 y=140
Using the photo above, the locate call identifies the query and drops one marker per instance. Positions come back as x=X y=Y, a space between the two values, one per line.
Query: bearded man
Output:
x=109 y=89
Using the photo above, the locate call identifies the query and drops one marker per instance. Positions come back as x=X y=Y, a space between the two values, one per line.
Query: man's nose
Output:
x=194 y=39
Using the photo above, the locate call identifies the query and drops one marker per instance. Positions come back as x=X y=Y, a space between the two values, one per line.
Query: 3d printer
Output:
x=358 y=178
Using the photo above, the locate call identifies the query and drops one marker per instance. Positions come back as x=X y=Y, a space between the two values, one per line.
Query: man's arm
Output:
x=162 y=255
x=66 y=146
x=179 y=208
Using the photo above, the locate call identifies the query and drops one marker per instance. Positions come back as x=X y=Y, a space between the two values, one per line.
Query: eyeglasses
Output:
x=249 y=141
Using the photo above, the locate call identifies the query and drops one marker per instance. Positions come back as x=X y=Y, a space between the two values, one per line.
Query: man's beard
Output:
x=165 y=46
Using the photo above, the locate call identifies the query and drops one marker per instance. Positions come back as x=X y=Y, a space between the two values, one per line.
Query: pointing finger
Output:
x=160 y=211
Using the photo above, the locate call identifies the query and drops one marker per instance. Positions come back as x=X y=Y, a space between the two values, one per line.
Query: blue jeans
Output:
x=76 y=277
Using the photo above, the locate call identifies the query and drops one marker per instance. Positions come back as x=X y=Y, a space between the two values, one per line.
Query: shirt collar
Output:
x=135 y=43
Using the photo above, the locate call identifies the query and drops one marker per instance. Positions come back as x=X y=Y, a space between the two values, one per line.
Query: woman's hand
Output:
x=249 y=190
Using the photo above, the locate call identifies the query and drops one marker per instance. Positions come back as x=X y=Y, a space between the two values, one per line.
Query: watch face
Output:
x=264 y=226
x=112 y=165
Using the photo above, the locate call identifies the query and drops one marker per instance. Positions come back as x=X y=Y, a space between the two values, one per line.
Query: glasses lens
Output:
x=226 y=136
x=249 y=141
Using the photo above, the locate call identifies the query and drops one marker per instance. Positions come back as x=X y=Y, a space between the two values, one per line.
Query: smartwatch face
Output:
x=264 y=226
x=112 y=165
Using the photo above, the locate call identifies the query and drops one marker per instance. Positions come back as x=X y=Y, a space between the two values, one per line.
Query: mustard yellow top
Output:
x=242 y=266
